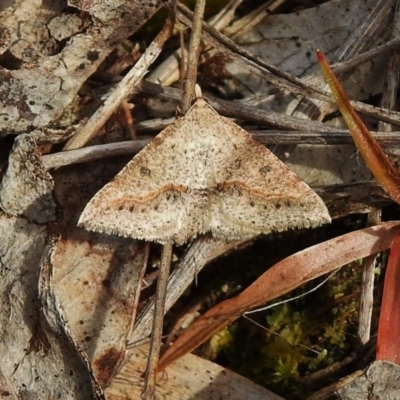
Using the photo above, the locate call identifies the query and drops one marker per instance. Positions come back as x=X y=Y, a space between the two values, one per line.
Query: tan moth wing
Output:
x=152 y=198
x=203 y=174
x=256 y=193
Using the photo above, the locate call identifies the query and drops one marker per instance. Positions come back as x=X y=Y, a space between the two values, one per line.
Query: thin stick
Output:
x=158 y=318
x=156 y=332
x=139 y=287
x=193 y=55
x=122 y=91
x=367 y=287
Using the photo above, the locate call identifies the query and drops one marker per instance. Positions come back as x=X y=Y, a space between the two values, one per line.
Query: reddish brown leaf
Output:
x=283 y=277
x=388 y=346
x=375 y=158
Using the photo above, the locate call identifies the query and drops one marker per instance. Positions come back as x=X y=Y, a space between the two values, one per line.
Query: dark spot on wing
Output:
x=265 y=169
x=145 y=171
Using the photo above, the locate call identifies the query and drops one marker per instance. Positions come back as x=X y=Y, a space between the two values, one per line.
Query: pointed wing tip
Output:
x=323 y=220
x=320 y=216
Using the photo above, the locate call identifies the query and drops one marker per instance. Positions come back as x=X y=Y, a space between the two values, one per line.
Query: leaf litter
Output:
x=8 y=228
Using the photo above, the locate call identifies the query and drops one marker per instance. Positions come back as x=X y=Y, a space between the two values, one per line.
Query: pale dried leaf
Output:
x=27 y=188
x=45 y=75
x=96 y=277
x=189 y=378
x=381 y=381
x=36 y=361
x=288 y=41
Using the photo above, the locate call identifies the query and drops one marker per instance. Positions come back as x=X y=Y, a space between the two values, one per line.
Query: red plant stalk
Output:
x=375 y=158
x=388 y=345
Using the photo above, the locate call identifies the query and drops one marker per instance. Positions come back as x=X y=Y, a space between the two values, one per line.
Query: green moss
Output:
x=300 y=337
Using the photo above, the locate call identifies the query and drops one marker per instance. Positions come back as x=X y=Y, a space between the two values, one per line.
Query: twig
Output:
x=146 y=251
x=359 y=59
x=200 y=252
x=100 y=151
x=156 y=331
x=193 y=56
x=172 y=67
x=166 y=257
x=240 y=110
x=122 y=91
x=367 y=286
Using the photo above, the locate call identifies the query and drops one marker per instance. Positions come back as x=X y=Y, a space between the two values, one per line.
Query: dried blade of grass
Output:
x=249 y=21
x=375 y=158
x=283 y=277
x=169 y=70
x=389 y=326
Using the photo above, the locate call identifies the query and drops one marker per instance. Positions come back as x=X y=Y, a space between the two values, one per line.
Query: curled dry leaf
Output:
x=97 y=279
x=283 y=277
